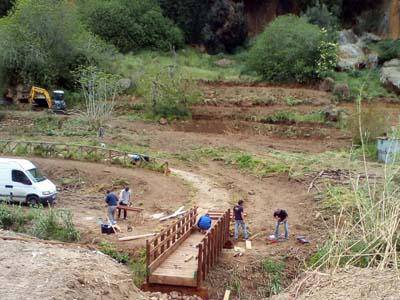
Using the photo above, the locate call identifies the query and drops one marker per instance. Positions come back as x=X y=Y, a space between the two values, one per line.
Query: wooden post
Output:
x=199 y=265
x=148 y=260
x=162 y=246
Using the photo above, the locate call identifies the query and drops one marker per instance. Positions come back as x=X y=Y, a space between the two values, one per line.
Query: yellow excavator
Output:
x=40 y=97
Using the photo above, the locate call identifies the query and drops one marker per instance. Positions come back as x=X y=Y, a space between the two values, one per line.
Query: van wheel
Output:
x=33 y=200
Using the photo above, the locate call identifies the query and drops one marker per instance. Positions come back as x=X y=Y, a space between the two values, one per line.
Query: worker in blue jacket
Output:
x=204 y=223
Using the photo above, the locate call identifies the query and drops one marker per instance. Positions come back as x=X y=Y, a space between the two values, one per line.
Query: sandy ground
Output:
x=36 y=270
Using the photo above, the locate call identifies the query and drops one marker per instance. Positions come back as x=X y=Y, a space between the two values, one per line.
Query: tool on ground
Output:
x=302 y=240
x=40 y=97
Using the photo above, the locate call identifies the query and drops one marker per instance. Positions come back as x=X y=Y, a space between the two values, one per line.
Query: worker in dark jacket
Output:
x=281 y=217
x=204 y=223
x=112 y=202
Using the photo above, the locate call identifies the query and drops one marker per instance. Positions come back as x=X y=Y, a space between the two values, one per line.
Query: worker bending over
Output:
x=112 y=202
x=281 y=217
x=204 y=223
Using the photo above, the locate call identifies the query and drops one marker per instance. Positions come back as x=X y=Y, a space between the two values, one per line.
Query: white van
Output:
x=21 y=181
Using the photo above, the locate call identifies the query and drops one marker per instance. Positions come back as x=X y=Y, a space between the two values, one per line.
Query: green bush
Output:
x=292 y=50
x=131 y=24
x=387 y=49
x=274 y=269
x=41 y=41
x=111 y=250
x=12 y=217
x=54 y=224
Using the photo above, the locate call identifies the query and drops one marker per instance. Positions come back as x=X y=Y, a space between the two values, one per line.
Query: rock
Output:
x=223 y=62
x=125 y=83
x=163 y=121
x=351 y=56
x=347 y=37
x=175 y=295
x=372 y=60
x=251 y=193
x=332 y=113
x=368 y=37
x=327 y=85
x=342 y=91
x=390 y=75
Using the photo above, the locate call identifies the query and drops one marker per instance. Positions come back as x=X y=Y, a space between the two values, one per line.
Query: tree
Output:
x=43 y=40
x=99 y=90
x=131 y=25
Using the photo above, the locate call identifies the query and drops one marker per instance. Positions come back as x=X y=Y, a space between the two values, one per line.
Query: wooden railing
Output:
x=212 y=244
x=74 y=152
x=168 y=240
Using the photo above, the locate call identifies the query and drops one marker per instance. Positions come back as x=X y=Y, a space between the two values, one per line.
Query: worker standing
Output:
x=124 y=200
x=239 y=220
x=112 y=202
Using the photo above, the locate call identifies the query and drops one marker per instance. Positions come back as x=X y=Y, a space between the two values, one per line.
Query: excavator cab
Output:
x=40 y=97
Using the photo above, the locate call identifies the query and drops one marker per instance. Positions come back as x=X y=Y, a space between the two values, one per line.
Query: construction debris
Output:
x=177 y=213
x=227 y=294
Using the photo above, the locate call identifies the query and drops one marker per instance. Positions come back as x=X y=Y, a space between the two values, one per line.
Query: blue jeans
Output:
x=285 y=223
x=240 y=223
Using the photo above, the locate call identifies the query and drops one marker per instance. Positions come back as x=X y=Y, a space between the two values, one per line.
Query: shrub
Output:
x=43 y=40
x=131 y=24
x=387 y=49
x=111 y=250
x=169 y=93
x=274 y=269
x=290 y=49
x=12 y=217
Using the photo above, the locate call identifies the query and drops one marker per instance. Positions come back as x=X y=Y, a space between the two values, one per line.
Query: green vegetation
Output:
x=311 y=55
x=294 y=117
x=42 y=41
x=274 y=271
x=219 y=25
x=320 y=15
x=131 y=25
x=48 y=224
x=368 y=79
x=386 y=49
x=5 y=6
x=111 y=250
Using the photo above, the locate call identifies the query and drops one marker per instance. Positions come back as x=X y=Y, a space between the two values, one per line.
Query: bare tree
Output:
x=100 y=90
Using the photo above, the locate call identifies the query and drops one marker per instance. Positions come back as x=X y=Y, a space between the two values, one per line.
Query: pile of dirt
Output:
x=351 y=283
x=34 y=269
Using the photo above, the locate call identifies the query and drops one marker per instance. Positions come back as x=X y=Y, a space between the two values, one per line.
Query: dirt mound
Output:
x=351 y=283
x=36 y=270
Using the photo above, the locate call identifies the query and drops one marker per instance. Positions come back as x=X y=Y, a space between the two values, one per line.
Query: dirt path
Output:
x=208 y=194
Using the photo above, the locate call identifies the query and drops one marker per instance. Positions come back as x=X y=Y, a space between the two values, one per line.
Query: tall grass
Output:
x=366 y=234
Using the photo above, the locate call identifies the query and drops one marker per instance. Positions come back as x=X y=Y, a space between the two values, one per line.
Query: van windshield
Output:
x=36 y=175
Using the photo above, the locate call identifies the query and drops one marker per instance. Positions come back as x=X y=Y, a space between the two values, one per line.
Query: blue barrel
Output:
x=388 y=150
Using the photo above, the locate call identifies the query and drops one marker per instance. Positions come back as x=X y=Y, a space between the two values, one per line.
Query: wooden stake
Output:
x=227 y=294
x=248 y=245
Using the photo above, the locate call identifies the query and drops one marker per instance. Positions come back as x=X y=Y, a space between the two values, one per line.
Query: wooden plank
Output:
x=199 y=273
x=135 y=237
x=248 y=245
x=173 y=247
x=170 y=280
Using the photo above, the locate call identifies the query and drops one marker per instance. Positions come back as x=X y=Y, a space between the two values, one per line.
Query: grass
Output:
x=273 y=269
x=48 y=224
x=200 y=66
x=357 y=78
x=294 y=117
x=110 y=250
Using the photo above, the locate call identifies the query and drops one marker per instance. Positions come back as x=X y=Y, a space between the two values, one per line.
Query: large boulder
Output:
x=351 y=56
x=390 y=75
x=347 y=37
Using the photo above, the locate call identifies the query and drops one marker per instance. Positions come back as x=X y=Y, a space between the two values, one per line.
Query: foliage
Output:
x=5 y=6
x=131 y=25
x=387 y=49
x=290 y=49
x=99 y=91
x=12 y=217
x=43 y=40
x=369 y=21
x=220 y=25
x=168 y=93
x=368 y=79
x=226 y=28
x=274 y=269
x=44 y=224
x=189 y=15
x=111 y=250
x=54 y=224
x=138 y=267
x=320 y=15
x=293 y=117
